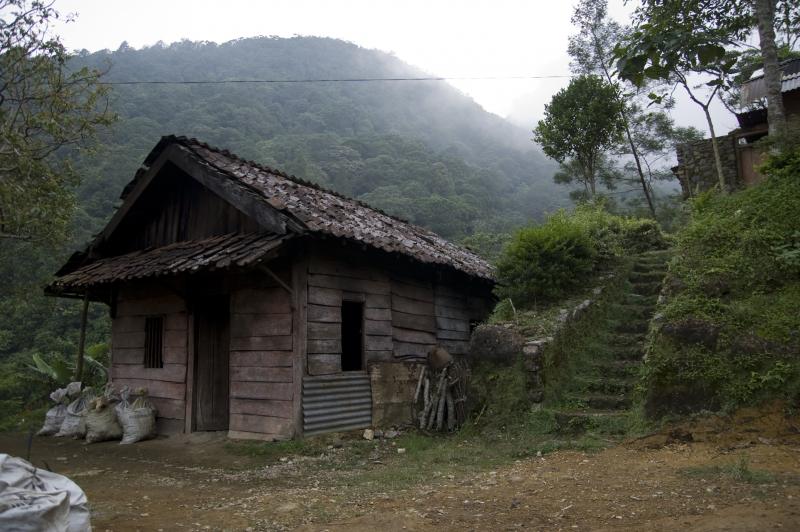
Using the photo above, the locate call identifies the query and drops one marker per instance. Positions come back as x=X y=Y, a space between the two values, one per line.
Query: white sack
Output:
x=18 y=476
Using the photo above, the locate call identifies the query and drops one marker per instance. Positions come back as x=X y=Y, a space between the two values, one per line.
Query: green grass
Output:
x=739 y=471
x=736 y=273
x=274 y=451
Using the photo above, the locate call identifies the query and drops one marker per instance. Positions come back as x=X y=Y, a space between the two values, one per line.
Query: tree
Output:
x=581 y=123
x=765 y=15
x=45 y=109
x=677 y=39
x=591 y=50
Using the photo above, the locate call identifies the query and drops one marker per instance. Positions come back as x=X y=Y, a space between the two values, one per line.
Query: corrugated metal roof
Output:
x=756 y=89
x=334 y=403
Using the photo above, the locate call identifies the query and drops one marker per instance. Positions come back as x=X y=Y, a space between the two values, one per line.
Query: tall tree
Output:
x=592 y=53
x=45 y=108
x=674 y=40
x=580 y=124
x=765 y=16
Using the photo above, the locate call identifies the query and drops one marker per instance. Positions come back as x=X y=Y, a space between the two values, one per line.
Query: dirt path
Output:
x=740 y=474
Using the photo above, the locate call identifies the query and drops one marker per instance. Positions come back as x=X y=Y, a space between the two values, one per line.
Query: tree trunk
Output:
x=714 y=143
x=723 y=186
x=776 y=117
x=635 y=153
x=624 y=113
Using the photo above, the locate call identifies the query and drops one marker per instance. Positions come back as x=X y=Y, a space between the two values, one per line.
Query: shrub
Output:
x=542 y=263
x=546 y=262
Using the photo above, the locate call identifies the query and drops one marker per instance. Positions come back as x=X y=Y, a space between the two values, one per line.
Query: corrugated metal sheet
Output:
x=755 y=88
x=333 y=403
x=790 y=83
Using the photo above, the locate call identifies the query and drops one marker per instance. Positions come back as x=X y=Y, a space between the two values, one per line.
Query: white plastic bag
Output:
x=36 y=499
x=33 y=511
x=55 y=416
x=101 y=421
x=74 y=424
x=138 y=420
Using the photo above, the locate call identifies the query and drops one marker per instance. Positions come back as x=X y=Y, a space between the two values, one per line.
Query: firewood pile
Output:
x=441 y=394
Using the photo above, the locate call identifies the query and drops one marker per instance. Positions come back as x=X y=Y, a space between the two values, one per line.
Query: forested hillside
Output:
x=418 y=149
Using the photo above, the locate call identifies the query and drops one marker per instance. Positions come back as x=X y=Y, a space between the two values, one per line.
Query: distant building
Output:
x=696 y=170
x=253 y=302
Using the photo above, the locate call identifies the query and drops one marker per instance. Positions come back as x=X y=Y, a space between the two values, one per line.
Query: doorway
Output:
x=352 y=336
x=211 y=369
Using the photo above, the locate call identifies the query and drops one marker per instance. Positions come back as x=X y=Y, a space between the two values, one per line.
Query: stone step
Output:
x=656 y=253
x=645 y=289
x=607 y=386
x=634 y=326
x=576 y=422
x=606 y=402
x=649 y=266
x=627 y=339
x=641 y=300
x=620 y=369
x=632 y=352
x=628 y=311
x=646 y=277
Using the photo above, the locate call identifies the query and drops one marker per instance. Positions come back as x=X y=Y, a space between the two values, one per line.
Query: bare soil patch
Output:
x=737 y=473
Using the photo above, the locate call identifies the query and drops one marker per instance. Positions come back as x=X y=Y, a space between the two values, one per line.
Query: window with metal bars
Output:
x=154 y=342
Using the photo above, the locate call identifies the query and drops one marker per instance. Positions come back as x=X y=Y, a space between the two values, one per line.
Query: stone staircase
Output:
x=603 y=382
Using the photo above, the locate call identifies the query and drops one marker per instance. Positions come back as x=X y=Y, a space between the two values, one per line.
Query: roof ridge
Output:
x=189 y=141
x=330 y=213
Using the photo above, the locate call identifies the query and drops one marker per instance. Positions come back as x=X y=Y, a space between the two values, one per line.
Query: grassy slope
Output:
x=731 y=326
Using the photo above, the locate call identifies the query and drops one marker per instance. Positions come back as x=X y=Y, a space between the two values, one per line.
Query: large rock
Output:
x=497 y=343
x=692 y=331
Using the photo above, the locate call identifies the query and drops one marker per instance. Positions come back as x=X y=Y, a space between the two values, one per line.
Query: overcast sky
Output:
x=462 y=38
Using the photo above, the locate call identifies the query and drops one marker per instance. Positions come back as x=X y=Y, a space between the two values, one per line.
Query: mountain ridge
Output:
x=411 y=148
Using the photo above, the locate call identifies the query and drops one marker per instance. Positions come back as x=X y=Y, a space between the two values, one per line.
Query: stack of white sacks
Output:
x=109 y=416
x=33 y=499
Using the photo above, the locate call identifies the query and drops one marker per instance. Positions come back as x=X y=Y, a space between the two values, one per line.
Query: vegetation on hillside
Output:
x=420 y=150
x=731 y=327
x=547 y=262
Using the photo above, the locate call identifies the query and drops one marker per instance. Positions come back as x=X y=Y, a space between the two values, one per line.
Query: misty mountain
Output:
x=418 y=149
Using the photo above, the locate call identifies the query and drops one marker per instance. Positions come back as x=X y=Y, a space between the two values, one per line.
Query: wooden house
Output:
x=253 y=302
x=739 y=151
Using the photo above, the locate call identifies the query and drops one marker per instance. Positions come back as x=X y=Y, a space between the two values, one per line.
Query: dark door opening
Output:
x=212 y=343
x=352 y=336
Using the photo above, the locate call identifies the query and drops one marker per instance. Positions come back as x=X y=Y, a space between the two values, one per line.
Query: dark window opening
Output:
x=154 y=342
x=352 y=336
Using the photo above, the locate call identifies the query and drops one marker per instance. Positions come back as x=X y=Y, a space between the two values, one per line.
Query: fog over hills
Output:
x=418 y=149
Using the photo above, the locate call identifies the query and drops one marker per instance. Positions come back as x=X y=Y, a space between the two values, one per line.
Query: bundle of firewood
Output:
x=441 y=396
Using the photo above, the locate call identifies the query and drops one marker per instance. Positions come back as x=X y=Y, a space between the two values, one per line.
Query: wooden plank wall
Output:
x=413 y=316
x=453 y=313
x=177 y=209
x=261 y=360
x=166 y=386
x=331 y=280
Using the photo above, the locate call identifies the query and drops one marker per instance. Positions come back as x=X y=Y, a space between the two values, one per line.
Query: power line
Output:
x=327 y=80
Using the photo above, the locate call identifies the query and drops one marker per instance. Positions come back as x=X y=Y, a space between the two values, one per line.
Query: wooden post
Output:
x=82 y=339
x=299 y=314
x=188 y=426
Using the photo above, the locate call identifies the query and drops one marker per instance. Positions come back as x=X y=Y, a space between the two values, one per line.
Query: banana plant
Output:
x=61 y=372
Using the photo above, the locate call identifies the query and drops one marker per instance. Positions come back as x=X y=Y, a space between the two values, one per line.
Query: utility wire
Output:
x=325 y=80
